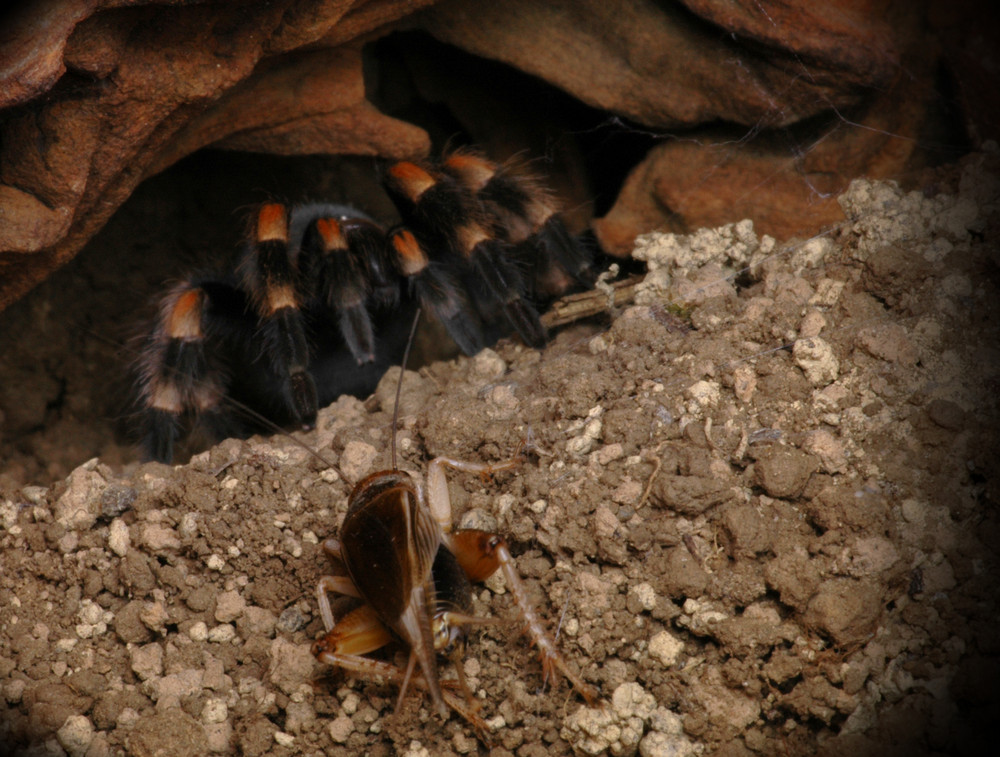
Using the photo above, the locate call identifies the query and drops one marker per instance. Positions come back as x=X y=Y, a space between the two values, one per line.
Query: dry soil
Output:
x=761 y=521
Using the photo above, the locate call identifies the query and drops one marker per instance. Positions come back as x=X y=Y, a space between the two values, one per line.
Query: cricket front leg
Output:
x=437 y=497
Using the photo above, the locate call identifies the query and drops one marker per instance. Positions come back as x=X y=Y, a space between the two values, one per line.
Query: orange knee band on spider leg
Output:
x=278 y=297
x=331 y=234
x=176 y=369
x=520 y=196
x=410 y=256
x=523 y=209
x=271 y=223
x=184 y=320
x=433 y=203
x=340 y=278
x=517 y=201
x=268 y=269
x=175 y=377
x=473 y=171
x=409 y=180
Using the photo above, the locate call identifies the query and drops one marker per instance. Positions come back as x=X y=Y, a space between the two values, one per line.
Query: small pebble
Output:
x=222 y=634
x=116 y=499
x=340 y=728
x=118 y=537
x=284 y=739
x=665 y=648
x=291 y=620
x=75 y=735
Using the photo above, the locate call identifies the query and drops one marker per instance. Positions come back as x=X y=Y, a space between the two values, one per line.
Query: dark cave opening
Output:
x=84 y=322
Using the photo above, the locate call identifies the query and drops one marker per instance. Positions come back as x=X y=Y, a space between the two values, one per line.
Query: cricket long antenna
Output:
x=399 y=384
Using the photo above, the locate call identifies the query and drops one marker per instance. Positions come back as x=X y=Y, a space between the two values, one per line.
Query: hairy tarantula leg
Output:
x=343 y=281
x=367 y=242
x=433 y=203
x=174 y=370
x=438 y=292
x=162 y=430
x=269 y=274
x=554 y=239
x=447 y=214
x=523 y=211
x=499 y=276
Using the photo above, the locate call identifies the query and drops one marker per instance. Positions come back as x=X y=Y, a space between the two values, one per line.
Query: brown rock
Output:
x=845 y=609
x=169 y=733
x=783 y=666
x=611 y=536
x=687 y=577
x=690 y=495
x=50 y=704
x=847 y=507
x=257 y=737
x=794 y=576
x=891 y=343
x=817 y=698
x=31 y=59
x=683 y=185
x=746 y=531
x=129 y=627
x=784 y=471
x=624 y=71
x=98 y=97
x=946 y=414
x=135 y=572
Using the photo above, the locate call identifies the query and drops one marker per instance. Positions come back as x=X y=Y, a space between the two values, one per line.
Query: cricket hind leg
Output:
x=360 y=631
x=340 y=650
x=481 y=553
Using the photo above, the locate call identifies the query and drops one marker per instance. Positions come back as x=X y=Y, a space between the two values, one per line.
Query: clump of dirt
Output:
x=760 y=520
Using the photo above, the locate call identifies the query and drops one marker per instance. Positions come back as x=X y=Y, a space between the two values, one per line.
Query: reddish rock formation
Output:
x=99 y=97
x=766 y=109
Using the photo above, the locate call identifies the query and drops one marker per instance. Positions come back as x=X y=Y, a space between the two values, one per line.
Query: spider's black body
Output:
x=312 y=309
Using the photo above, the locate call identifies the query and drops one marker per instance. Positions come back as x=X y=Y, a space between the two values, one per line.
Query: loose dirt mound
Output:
x=761 y=521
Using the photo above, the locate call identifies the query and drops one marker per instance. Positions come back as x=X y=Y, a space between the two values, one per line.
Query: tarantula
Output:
x=310 y=311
